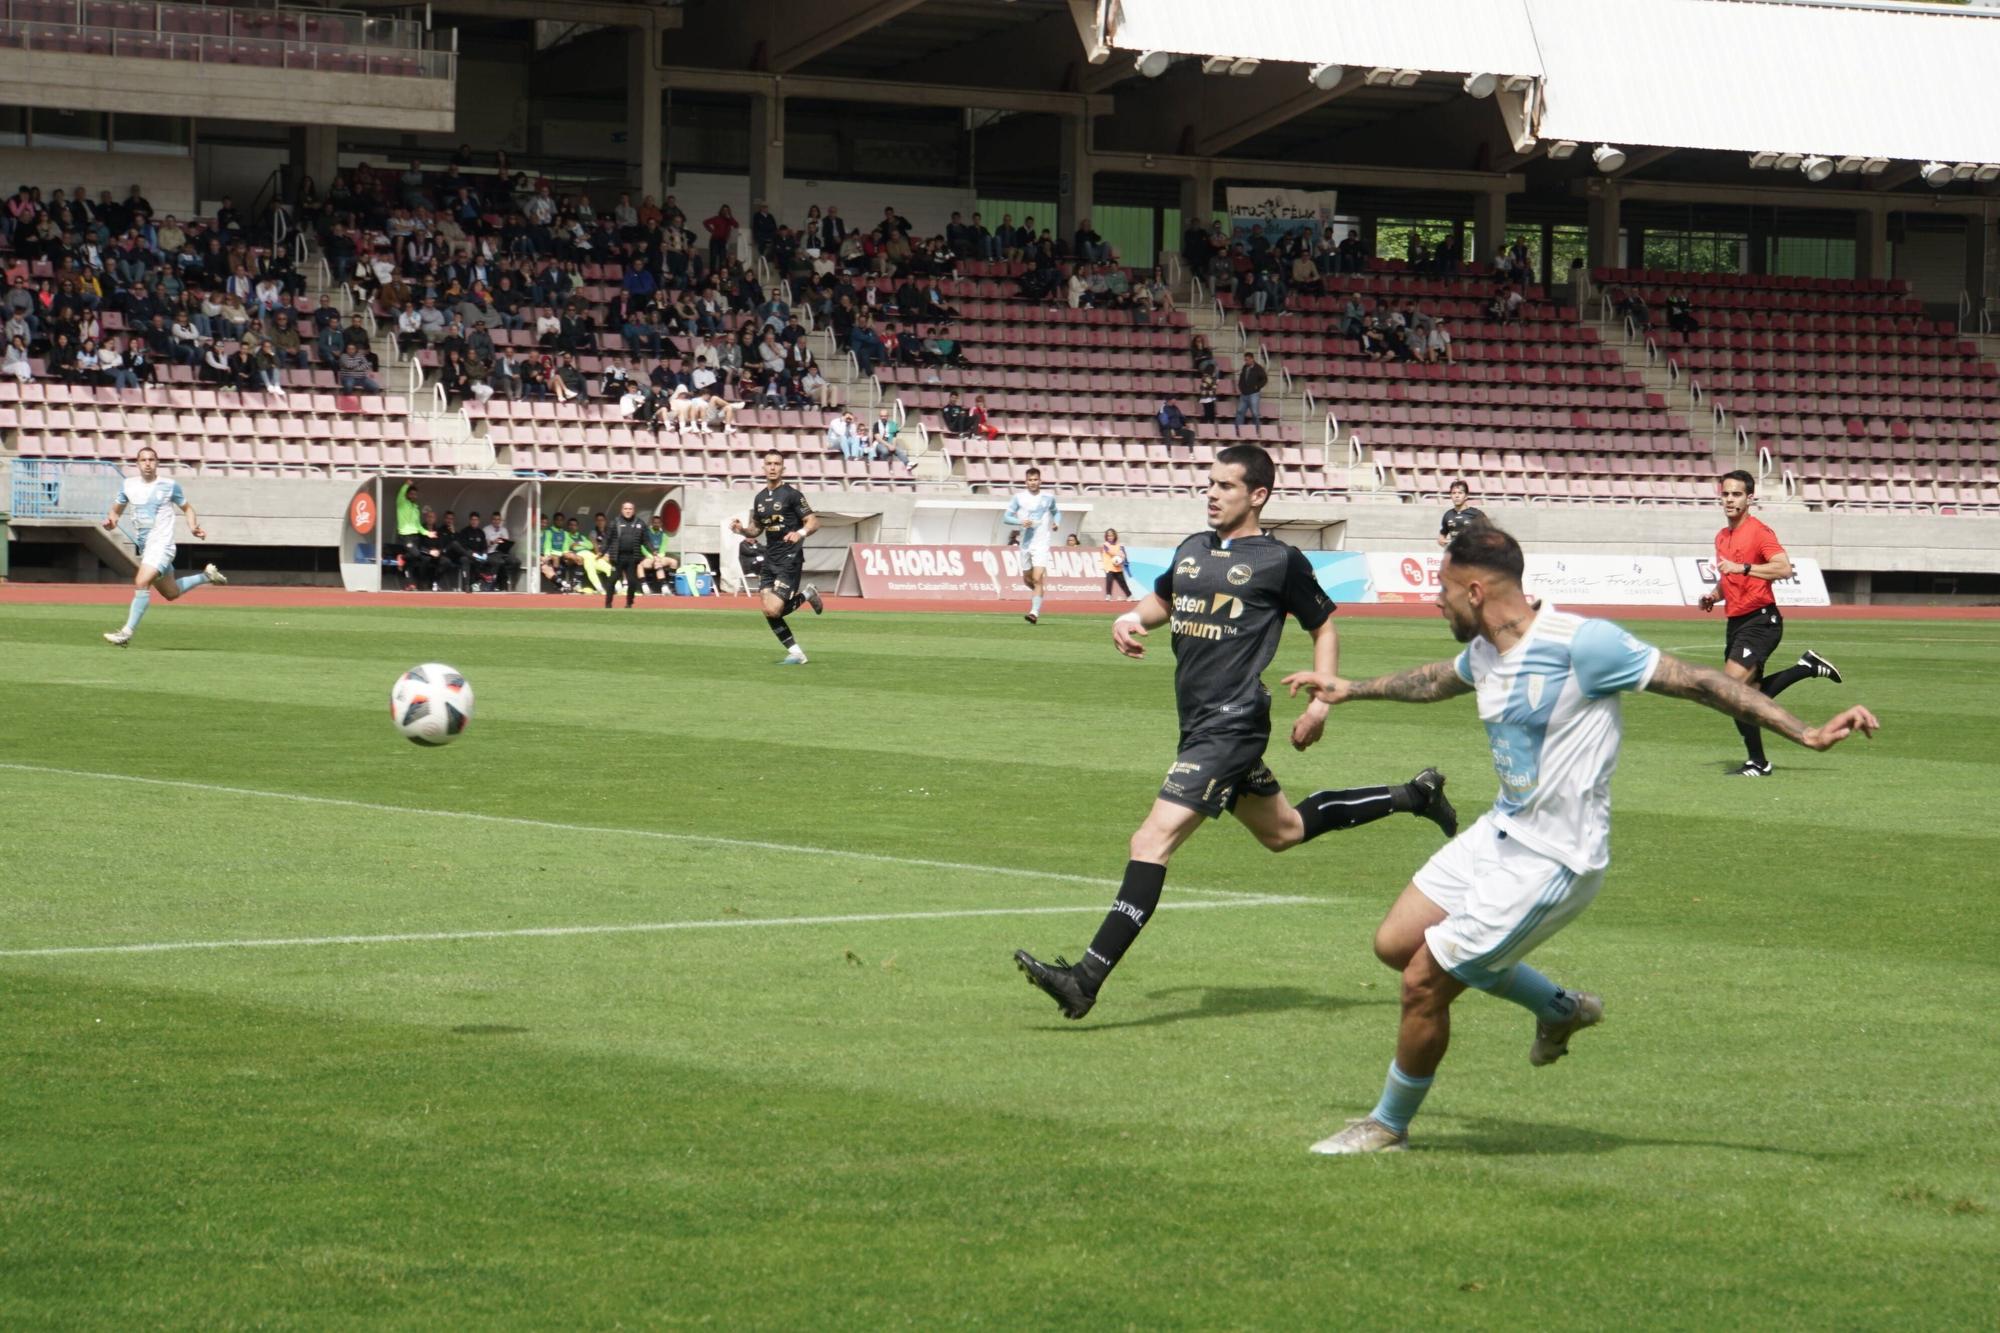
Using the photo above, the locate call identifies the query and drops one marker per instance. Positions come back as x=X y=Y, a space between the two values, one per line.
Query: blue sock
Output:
x=1035 y=607
x=1534 y=992
x=192 y=582
x=140 y=601
x=1401 y=1096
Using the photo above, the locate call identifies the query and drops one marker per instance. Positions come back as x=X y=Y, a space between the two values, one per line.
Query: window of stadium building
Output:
x=1697 y=251
x=1394 y=237
x=1810 y=256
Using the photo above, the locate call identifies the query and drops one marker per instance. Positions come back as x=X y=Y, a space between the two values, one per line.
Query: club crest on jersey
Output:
x=1239 y=574
x=1535 y=686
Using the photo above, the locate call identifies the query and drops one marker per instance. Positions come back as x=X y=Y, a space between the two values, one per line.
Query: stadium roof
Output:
x=1898 y=82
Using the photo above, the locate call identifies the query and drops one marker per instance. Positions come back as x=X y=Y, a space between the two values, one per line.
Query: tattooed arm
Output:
x=1704 y=685
x=1418 y=685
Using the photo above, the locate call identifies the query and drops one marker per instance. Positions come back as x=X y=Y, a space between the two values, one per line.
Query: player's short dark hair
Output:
x=1032 y=472
x=147 y=449
x=1749 y=482
x=1458 y=485
x=1483 y=546
x=773 y=453
x=1259 y=472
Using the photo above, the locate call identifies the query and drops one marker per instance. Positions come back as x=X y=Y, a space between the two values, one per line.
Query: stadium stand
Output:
x=1844 y=382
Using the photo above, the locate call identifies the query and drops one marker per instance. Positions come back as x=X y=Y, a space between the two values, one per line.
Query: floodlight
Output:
x=1987 y=173
x=1936 y=175
x=1242 y=69
x=1817 y=169
x=1406 y=78
x=1153 y=64
x=1561 y=149
x=1790 y=161
x=1964 y=171
x=1847 y=166
x=1480 y=85
x=1607 y=158
x=1875 y=166
x=1519 y=83
x=1324 y=77
x=1763 y=161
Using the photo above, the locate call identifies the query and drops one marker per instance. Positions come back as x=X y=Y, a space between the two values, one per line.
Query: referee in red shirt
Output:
x=1748 y=560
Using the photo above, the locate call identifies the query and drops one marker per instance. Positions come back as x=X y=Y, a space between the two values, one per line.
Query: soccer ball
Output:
x=431 y=704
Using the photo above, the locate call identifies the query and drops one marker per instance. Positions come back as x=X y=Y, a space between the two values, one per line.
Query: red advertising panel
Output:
x=969 y=571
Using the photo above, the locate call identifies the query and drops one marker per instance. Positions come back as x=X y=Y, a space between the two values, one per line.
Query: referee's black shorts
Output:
x=1753 y=637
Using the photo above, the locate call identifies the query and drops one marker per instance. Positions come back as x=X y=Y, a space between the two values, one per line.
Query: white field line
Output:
x=695 y=839
x=644 y=928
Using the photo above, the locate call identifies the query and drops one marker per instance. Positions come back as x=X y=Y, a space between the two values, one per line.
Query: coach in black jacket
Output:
x=624 y=547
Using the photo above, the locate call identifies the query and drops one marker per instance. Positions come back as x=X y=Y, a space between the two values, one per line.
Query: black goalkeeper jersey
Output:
x=1229 y=601
x=778 y=511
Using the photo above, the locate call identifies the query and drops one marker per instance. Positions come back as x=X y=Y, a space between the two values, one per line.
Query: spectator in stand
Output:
x=1172 y=422
x=867 y=347
x=113 y=370
x=763 y=228
x=1437 y=345
x=882 y=439
x=1680 y=313
x=721 y=230
x=1206 y=392
x=957 y=418
x=1201 y=356
x=844 y=435
x=1250 y=382
x=1351 y=256
x=356 y=372
x=982 y=425
x=16 y=363
x=1089 y=245
x=266 y=364
x=1639 y=313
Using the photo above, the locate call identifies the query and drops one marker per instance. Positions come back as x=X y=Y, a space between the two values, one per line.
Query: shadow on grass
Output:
x=1230 y=1002
x=1488 y=1136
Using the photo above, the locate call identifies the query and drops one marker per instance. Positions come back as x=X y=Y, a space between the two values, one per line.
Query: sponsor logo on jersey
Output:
x=1225 y=602
x=1188 y=568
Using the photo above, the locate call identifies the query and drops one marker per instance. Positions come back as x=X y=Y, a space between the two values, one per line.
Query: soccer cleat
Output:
x=1436 y=808
x=215 y=576
x=1366 y=1135
x=793 y=658
x=1751 y=769
x=1032 y=618
x=1819 y=666
x=811 y=594
x=1060 y=983
x=118 y=638
x=1552 y=1039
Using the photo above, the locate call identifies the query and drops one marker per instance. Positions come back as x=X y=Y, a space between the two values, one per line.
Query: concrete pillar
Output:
x=767 y=152
x=1603 y=222
x=1197 y=198
x=315 y=153
x=1760 y=241
x=645 y=142
x=1975 y=265
x=1368 y=234
x=1489 y=224
x=1076 y=178
x=1871 y=242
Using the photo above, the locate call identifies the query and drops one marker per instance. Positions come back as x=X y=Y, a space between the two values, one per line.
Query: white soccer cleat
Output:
x=1552 y=1039
x=118 y=638
x=796 y=657
x=1366 y=1135
x=214 y=575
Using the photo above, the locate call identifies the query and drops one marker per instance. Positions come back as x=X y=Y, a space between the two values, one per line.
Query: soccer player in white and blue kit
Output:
x=1548 y=686
x=1034 y=511
x=154 y=501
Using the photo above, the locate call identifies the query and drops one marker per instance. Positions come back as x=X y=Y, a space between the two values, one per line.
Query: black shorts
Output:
x=1754 y=637
x=1215 y=768
x=784 y=569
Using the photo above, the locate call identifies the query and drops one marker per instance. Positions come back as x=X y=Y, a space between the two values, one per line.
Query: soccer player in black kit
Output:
x=1226 y=597
x=786 y=520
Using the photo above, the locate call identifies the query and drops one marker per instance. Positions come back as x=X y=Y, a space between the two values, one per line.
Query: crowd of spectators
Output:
x=127 y=292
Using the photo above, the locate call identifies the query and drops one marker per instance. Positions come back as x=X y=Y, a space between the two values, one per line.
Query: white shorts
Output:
x=159 y=552
x=1034 y=557
x=1500 y=899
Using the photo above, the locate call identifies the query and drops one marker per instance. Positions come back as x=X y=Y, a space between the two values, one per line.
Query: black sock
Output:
x=794 y=602
x=784 y=633
x=1753 y=741
x=1773 y=686
x=1137 y=897
x=1324 y=811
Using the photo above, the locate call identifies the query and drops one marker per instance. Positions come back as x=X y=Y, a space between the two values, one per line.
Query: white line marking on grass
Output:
x=644 y=928
x=697 y=839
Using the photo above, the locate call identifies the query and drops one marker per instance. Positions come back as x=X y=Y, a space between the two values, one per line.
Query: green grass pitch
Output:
x=818 y=1095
